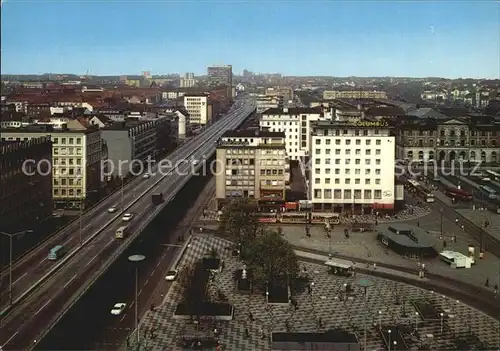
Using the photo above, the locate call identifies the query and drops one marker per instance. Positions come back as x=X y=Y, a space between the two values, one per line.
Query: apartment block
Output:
x=76 y=160
x=25 y=193
x=351 y=167
x=198 y=109
x=251 y=164
x=296 y=124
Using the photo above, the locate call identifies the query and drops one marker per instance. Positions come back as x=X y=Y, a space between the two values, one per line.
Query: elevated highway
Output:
x=48 y=289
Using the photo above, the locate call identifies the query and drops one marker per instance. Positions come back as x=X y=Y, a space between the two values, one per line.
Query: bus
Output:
x=421 y=191
x=493 y=175
x=56 y=252
x=320 y=218
x=294 y=217
x=458 y=194
x=490 y=193
x=268 y=217
x=121 y=232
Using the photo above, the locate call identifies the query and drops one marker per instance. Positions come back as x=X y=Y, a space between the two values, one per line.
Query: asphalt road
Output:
x=50 y=298
x=89 y=325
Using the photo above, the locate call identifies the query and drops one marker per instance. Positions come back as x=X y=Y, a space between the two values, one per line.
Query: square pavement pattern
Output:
x=386 y=304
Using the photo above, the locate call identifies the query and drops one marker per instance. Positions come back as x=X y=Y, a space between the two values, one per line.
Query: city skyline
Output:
x=366 y=39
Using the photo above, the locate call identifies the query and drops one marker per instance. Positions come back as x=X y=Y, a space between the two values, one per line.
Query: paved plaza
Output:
x=377 y=310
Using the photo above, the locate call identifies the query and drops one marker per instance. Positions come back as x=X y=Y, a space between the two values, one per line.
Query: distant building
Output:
x=221 y=75
x=187 y=81
x=25 y=194
x=198 y=108
x=354 y=94
x=285 y=92
x=251 y=164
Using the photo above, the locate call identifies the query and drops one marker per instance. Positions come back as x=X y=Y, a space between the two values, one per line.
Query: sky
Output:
x=329 y=38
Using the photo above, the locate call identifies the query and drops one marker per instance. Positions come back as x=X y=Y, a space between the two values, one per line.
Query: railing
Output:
x=124 y=243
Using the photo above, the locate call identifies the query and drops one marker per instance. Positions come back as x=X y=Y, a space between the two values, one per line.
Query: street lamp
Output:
x=389 y=338
x=416 y=320
x=81 y=217
x=11 y=236
x=380 y=319
x=442 y=316
x=136 y=259
x=395 y=345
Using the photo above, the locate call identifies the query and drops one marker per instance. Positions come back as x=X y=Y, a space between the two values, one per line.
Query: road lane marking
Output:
x=9 y=340
x=146 y=282
x=158 y=263
x=132 y=304
x=152 y=272
x=123 y=317
x=18 y=279
x=140 y=292
x=92 y=260
x=44 y=305
x=69 y=281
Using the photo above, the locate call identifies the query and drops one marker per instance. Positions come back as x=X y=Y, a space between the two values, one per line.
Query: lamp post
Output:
x=136 y=259
x=441 y=222
x=81 y=217
x=389 y=339
x=395 y=345
x=380 y=320
x=121 y=194
x=442 y=316
x=11 y=236
x=416 y=320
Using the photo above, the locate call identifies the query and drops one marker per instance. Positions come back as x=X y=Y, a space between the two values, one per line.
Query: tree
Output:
x=270 y=257
x=239 y=221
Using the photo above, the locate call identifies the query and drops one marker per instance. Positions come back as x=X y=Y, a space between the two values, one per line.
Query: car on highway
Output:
x=146 y=176
x=127 y=217
x=196 y=162
x=118 y=308
x=171 y=275
x=112 y=209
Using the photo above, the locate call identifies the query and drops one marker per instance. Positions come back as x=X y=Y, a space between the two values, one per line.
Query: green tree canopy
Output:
x=239 y=221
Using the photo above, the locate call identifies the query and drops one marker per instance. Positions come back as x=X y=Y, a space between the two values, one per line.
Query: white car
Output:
x=127 y=217
x=196 y=162
x=118 y=308
x=146 y=176
x=112 y=209
x=171 y=275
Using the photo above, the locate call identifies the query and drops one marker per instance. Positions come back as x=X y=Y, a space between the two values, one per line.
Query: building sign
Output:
x=387 y=193
x=371 y=124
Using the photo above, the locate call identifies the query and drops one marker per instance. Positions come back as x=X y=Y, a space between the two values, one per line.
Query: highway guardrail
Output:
x=61 y=263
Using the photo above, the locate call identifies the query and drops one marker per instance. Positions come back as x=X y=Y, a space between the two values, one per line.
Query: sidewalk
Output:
x=365 y=246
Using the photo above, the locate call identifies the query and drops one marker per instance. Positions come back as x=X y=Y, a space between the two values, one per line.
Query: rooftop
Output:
x=406 y=235
x=292 y=111
x=245 y=133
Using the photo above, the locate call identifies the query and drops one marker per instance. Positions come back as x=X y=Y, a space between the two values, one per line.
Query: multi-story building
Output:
x=296 y=124
x=129 y=141
x=251 y=164
x=220 y=75
x=76 y=160
x=264 y=103
x=187 y=81
x=354 y=94
x=285 y=92
x=198 y=108
x=26 y=183
x=471 y=138
x=351 y=166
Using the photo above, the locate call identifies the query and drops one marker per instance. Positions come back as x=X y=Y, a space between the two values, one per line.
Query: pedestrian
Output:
x=247 y=334
x=495 y=289
x=487 y=282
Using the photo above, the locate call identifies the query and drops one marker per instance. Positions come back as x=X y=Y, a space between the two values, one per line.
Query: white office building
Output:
x=296 y=124
x=197 y=107
x=351 y=167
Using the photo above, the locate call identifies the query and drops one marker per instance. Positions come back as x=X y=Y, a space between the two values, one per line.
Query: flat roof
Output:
x=406 y=235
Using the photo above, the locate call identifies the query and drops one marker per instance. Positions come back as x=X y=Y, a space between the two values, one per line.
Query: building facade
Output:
x=187 y=81
x=76 y=161
x=467 y=139
x=284 y=92
x=354 y=94
x=251 y=164
x=129 y=144
x=197 y=107
x=220 y=75
x=25 y=192
x=351 y=167
x=296 y=124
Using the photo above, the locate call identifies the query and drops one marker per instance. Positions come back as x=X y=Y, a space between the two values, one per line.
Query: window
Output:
x=317 y=180
x=317 y=151
x=377 y=152
x=377 y=142
x=337 y=170
x=317 y=170
x=347 y=151
x=348 y=180
x=337 y=151
x=317 y=193
x=367 y=194
x=347 y=171
x=368 y=152
x=377 y=194
x=347 y=161
x=317 y=161
x=358 y=151
x=337 y=194
x=357 y=194
x=377 y=171
x=358 y=161
x=348 y=142
x=358 y=141
x=337 y=180
x=327 y=193
x=337 y=141
x=357 y=181
x=318 y=141
x=347 y=194
x=377 y=181
x=327 y=180
x=367 y=181
x=327 y=161
x=377 y=162
x=368 y=141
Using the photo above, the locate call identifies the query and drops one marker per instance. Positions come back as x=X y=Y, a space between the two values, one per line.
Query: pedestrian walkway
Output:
x=480 y=217
x=327 y=304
